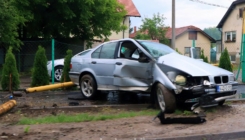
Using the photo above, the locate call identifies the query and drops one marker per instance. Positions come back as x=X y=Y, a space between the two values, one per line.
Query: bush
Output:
x=9 y=67
x=40 y=75
x=203 y=57
x=224 y=61
x=65 y=75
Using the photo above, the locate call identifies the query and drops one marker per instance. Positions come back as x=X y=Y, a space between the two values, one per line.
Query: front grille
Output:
x=221 y=79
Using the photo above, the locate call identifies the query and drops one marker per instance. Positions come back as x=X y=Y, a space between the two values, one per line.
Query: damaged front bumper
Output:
x=207 y=96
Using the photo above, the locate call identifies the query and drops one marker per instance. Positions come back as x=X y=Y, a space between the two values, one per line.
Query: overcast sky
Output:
x=187 y=12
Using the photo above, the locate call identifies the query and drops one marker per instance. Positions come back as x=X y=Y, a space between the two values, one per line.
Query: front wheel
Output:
x=88 y=86
x=165 y=98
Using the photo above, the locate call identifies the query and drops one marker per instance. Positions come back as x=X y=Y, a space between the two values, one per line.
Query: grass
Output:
x=84 y=117
x=183 y=112
x=26 y=130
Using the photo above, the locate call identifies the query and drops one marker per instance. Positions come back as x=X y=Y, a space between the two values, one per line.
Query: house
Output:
x=231 y=29
x=186 y=37
x=131 y=12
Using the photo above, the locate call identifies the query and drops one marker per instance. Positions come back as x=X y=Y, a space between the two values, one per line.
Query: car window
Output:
x=96 y=53
x=128 y=50
x=106 y=51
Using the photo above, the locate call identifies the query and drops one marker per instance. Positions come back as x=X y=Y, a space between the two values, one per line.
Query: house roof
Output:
x=233 y=5
x=178 y=32
x=130 y=8
x=182 y=30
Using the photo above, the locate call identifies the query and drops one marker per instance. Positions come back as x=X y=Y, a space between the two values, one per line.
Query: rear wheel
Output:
x=165 y=99
x=88 y=86
x=58 y=73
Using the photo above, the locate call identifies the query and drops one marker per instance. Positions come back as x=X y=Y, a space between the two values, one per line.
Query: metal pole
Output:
x=173 y=25
x=52 y=61
x=243 y=50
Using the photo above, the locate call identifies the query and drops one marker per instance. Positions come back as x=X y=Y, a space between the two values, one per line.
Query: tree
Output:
x=224 y=61
x=213 y=32
x=40 y=75
x=203 y=57
x=153 y=28
x=10 y=19
x=83 y=19
x=10 y=70
x=65 y=74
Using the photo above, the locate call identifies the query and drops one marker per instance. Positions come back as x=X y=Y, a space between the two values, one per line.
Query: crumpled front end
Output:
x=205 y=90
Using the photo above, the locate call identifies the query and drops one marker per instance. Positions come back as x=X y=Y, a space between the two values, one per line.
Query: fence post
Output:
x=52 y=61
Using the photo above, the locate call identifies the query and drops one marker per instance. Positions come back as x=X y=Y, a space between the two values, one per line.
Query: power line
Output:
x=203 y=2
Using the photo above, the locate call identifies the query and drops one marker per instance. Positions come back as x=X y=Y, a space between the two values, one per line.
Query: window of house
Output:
x=240 y=12
x=233 y=57
x=187 y=51
x=230 y=36
x=192 y=35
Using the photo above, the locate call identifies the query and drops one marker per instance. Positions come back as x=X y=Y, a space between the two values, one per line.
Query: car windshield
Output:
x=156 y=49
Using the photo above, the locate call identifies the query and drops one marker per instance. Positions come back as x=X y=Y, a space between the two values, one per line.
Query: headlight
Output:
x=232 y=78
x=206 y=83
x=48 y=62
x=180 y=80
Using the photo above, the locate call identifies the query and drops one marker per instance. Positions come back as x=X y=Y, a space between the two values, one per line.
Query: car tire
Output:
x=88 y=86
x=165 y=99
x=221 y=103
x=58 y=73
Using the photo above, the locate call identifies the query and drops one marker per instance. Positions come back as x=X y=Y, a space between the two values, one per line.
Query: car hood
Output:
x=191 y=66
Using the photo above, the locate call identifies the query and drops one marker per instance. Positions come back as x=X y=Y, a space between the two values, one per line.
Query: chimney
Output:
x=135 y=29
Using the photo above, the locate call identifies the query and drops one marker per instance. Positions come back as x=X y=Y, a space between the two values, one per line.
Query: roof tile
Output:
x=130 y=8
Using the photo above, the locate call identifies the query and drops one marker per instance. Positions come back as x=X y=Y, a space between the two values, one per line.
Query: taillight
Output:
x=70 y=66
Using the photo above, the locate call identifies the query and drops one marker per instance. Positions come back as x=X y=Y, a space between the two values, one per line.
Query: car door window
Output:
x=108 y=50
x=96 y=53
x=128 y=50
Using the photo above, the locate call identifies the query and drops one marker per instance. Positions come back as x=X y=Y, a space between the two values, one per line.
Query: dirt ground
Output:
x=228 y=118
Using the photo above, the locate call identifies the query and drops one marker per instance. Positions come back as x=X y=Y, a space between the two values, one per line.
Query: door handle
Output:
x=118 y=63
x=94 y=62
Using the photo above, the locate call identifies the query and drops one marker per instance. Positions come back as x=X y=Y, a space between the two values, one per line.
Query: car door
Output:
x=130 y=74
x=103 y=63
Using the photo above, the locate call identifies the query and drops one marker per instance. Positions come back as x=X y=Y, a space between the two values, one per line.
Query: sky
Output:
x=187 y=12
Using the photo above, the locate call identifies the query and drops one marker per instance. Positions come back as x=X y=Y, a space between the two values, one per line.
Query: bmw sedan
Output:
x=153 y=68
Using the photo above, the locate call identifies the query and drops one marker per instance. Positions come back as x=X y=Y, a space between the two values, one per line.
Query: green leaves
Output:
x=83 y=19
x=40 y=75
x=153 y=28
x=65 y=75
x=10 y=19
x=224 y=61
x=9 y=68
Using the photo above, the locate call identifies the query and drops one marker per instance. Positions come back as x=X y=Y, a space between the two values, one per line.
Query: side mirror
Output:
x=143 y=59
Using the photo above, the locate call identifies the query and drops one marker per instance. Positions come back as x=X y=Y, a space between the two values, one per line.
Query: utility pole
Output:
x=173 y=25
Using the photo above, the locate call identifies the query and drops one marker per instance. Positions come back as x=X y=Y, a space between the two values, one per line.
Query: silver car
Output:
x=149 y=67
x=59 y=65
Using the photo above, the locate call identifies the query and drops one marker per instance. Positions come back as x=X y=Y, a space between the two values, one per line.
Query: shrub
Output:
x=40 y=72
x=202 y=56
x=224 y=61
x=178 y=51
x=9 y=67
x=65 y=75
